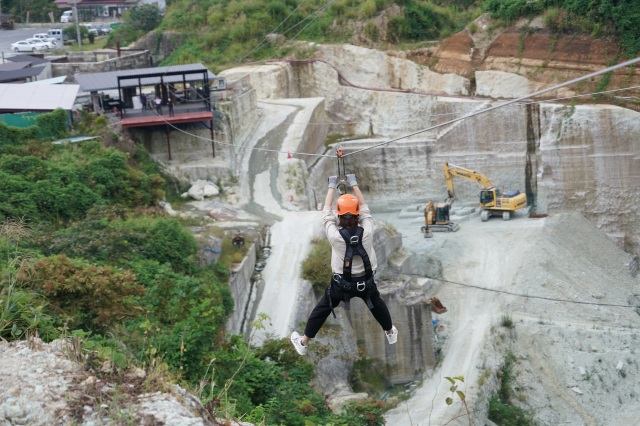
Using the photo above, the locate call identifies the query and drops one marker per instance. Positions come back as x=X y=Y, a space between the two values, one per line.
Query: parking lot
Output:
x=11 y=36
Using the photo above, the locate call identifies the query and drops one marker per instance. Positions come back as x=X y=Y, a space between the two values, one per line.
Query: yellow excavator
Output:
x=436 y=218
x=492 y=200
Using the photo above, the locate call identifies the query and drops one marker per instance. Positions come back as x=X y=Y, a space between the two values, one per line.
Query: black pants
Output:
x=323 y=309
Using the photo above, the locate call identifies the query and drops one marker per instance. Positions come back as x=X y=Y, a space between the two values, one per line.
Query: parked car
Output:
x=103 y=30
x=47 y=43
x=58 y=35
x=27 y=46
x=67 y=16
x=44 y=37
x=91 y=28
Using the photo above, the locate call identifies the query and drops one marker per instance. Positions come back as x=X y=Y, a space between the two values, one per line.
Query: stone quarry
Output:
x=564 y=272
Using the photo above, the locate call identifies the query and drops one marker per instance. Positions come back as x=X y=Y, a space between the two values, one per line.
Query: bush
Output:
x=272 y=384
x=95 y=297
x=22 y=314
x=106 y=237
x=315 y=267
x=188 y=314
x=67 y=181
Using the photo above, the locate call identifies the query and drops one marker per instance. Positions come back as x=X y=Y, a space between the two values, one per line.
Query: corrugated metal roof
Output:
x=20 y=74
x=27 y=58
x=12 y=66
x=36 y=97
x=54 y=80
x=92 y=82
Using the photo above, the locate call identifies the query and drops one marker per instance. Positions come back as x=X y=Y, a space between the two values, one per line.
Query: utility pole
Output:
x=75 y=13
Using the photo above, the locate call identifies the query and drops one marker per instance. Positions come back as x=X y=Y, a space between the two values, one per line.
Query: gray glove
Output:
x=351 y=180
x=333 y=181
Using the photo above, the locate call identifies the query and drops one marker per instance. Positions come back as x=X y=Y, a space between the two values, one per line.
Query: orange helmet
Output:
x=347 y=204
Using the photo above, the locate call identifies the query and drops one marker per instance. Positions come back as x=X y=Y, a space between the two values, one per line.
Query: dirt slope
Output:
x=576 y=363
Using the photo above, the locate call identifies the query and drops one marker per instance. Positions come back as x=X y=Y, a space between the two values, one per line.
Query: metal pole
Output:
x=75 y=12
x=169 y=141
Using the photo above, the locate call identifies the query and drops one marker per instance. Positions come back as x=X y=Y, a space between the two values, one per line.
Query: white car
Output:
x=44 y=37
x=27 y=46
x=49 y=44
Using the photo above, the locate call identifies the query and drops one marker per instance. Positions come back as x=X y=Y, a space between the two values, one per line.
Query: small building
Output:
x=160 y=96
x=20 y=102
x=24 y=68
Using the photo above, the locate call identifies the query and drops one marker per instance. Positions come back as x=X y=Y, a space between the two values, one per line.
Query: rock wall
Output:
x=590 y=163
x=414 y=353
x=243 y=291
x=99 y=61
x=515 y=146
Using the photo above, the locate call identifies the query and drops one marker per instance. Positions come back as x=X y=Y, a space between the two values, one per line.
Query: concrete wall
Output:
x=414 y=353
x=99 y=61
x=241 y=287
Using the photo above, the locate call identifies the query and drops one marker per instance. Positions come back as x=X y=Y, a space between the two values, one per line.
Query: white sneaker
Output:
x=393 y=337
x=296 y=340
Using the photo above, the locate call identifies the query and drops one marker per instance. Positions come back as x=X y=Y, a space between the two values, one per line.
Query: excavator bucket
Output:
x=437 y=306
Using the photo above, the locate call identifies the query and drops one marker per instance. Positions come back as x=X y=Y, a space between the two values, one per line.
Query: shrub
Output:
x=271 y=382
x=368 y=375
x=106 y=237
x=188 y=313
x=364 y=412
x=95 y=297
x=315 y=267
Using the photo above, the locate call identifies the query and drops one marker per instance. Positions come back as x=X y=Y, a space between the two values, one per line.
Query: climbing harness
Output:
x=345 y=282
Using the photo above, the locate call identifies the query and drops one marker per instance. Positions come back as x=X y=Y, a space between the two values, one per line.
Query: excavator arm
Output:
x=451 y=170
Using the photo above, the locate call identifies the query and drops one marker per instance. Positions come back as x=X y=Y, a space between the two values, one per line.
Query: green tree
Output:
x=72 y=34
x=143 y=17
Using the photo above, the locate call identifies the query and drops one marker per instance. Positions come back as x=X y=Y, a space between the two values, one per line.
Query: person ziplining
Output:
x=353 y=262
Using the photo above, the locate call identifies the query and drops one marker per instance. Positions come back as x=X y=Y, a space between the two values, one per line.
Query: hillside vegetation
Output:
x=224 y=33
x=88 y=257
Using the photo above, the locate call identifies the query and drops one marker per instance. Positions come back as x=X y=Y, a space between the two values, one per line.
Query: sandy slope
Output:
x=577 y=363
x=469 y=256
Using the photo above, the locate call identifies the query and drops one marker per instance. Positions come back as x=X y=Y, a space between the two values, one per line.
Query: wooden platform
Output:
x=165 y=119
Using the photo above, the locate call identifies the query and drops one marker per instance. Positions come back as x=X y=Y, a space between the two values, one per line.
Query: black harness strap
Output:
x=353 y=240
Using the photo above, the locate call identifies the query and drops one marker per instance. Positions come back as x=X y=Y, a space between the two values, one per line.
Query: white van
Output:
x=67 y=16
x=57 y=34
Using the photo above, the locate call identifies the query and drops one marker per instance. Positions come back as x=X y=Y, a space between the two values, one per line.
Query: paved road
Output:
x=11 y=36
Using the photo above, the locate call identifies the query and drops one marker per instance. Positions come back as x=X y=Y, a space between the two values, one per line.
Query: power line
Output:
x=529 y=296
x=520 y=99
x=517 y=102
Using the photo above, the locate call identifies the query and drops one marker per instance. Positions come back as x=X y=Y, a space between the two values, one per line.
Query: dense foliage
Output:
x=222 y=32
x=48 y=182
x=34 y=10
x=47 y=126
x=136 y=22
x=90 y=259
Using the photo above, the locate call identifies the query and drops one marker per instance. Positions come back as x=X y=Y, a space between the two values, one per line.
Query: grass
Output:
x=99 y=43
x=506 y=321
x=501 y=409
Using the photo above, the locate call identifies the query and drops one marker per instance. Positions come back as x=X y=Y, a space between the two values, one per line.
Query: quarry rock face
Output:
x=577 y=157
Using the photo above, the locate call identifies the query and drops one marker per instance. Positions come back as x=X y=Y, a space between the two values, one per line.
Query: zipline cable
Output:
x=529 y=296
x=520 y=99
